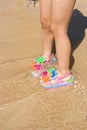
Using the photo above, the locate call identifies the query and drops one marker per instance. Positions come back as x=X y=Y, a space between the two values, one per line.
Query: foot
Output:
x=50 y=79
x=38 y=64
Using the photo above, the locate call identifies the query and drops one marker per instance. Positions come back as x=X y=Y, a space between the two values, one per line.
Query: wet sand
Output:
x=24 y=104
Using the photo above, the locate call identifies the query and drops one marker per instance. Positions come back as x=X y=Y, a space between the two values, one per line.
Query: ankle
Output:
x=63 y=72
x=46 y=56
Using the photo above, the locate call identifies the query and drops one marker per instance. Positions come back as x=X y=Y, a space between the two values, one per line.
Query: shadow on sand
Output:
x=76 y=32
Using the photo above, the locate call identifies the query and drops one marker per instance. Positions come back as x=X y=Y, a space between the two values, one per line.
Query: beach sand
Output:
x=24 y=104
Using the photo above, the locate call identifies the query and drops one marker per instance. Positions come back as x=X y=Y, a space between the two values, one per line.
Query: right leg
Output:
x=45 y=18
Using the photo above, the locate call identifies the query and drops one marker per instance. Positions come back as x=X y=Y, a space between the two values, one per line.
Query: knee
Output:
x=58 y=28
x=54 y=28
x=45 y=23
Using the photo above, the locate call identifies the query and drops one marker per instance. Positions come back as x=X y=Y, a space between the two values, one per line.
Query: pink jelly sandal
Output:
x=49 y=79
x=38 y=64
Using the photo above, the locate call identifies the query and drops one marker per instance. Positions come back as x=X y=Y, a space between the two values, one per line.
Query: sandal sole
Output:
x=58 y=86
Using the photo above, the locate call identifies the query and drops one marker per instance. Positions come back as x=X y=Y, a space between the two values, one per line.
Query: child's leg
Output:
x=47 y=37
x=61 y=14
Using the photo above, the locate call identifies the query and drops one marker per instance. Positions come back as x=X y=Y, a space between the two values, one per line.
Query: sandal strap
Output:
x=59 y=79
x=50 y=57
x=65 y=75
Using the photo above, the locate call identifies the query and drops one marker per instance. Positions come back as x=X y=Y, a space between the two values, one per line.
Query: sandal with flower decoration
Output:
x=38 y=64
x=49 y=79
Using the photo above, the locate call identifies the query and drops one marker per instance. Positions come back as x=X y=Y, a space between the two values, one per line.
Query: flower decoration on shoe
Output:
x=37 y=64
x=45 y=76
x=52 y=72
x=49 y=74
x=40 y=60
x=40 y=63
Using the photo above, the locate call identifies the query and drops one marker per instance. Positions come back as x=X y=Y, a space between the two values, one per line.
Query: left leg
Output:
x=61 y=13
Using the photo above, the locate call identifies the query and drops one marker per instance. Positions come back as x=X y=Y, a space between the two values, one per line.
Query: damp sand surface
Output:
x=24 y=104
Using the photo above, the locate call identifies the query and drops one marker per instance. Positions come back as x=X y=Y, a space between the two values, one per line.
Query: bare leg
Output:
x=61 y=14
x=47 y=36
